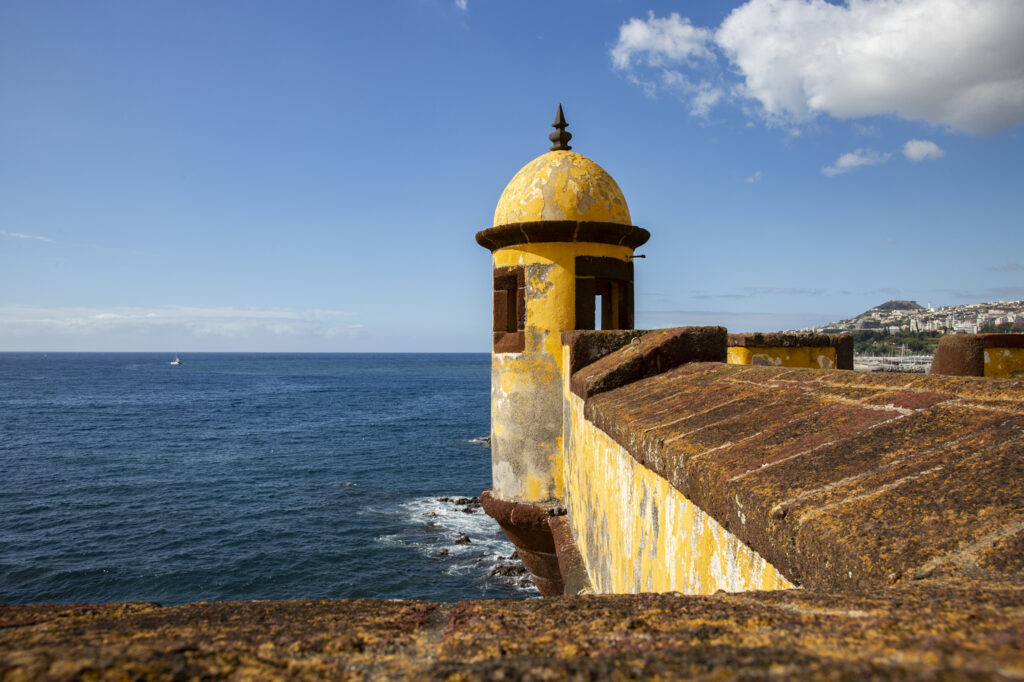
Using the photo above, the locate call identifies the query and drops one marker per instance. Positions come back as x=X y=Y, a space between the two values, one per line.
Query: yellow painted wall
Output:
x=639 y=534
x=526 y=388
x=551 y=298
x=1004 y=363
x=814 y=357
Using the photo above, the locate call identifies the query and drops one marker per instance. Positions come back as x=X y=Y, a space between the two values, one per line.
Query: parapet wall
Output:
x=922 y=632
x=787 y=349
x=636 y=533
x=836 y=480
x=980 y=355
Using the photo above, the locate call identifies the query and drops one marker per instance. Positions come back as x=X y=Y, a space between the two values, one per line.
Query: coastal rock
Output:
x=508 y=570
x=462 y=539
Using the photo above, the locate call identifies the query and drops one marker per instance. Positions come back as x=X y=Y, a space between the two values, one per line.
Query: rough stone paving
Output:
x=930 y=630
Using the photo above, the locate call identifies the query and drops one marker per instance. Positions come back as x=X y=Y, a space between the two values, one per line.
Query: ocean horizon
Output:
x=247 y=476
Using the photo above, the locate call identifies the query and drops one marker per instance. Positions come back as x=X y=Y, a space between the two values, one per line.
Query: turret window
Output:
x=604 y=293
x=509 y=310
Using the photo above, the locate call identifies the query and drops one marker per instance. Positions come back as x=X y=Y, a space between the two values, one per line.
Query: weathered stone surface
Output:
x=589 y=345
x=528 y=232
x=570 y=562
x=964 y=354
x=930 y=630
x=961 y=355
x=224 y=640
x=841 y=480
x=843 y=343
x=785 y=339
x=526 y=526
x=648 y=355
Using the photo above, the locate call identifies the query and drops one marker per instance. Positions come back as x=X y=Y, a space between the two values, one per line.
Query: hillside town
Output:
x=896 y=317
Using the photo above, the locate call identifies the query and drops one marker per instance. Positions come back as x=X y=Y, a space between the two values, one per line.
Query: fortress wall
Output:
x=822 y=357
x=982 y=355
x=839 y=480
x=1004 y=362
x=816 y=351
x=638 y=534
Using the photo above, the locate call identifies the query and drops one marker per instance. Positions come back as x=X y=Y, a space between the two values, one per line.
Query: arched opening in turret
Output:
x=604 y=293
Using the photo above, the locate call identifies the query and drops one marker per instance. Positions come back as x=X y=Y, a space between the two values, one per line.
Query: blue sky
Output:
x=309 y=176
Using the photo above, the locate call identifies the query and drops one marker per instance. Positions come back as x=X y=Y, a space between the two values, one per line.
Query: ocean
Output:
x=247 y=476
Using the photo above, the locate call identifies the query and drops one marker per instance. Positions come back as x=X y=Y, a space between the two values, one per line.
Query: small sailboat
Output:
x=176 y=360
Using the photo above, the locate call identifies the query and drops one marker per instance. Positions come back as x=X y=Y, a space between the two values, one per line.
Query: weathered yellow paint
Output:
x=562 y=185
x=526 y=390
x=814 y=357
x=551 y=299
x=1004 y=363
x=639 y=534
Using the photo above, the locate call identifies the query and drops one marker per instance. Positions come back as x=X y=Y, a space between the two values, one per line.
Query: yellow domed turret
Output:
x=562 y=246
x=562 y=185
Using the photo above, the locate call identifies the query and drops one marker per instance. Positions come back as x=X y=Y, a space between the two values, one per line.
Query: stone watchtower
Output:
x=562 y=246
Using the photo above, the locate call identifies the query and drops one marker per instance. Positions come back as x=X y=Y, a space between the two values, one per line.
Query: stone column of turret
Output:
x=562 y=244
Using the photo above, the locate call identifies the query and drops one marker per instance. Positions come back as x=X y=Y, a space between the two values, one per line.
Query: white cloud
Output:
x=704 y=99
x=673 y=39
x=859 y=157
x=20 y=235
x=957 y=64
x=138 y=328
x=756 y=177
x=919 y=150
x=461 y=4
x=701 y=96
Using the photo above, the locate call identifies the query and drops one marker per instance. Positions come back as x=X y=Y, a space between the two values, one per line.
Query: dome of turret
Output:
x=562 y=185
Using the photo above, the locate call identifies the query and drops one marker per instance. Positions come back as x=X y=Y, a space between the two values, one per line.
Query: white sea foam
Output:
x=434 y=526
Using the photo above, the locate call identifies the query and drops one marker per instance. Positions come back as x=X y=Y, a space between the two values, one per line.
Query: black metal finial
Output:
x=560 y=138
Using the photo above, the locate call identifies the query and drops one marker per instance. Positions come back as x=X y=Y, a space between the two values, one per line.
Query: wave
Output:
x=467 y=542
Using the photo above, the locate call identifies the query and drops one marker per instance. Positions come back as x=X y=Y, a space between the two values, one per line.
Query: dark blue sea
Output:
x=246 y=476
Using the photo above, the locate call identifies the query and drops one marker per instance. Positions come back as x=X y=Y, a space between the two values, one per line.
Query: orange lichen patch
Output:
x=930 y=630
x=785 y=635
x=219 y=640
x=1004 y=554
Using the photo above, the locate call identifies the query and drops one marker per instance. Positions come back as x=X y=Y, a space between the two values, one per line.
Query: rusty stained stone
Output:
x=540 y=231
x=527 y=527
x=907 y=400
x=926 y=526
x=832 y=545
x=570 y=562
x=959 y=355
x=1006 y=394
x=589 y=345
x=650 y=355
